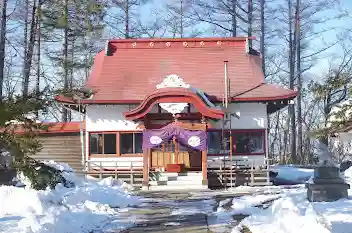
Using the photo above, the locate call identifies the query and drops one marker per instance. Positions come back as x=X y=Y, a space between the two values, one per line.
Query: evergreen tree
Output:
x=19 y=137
x=333 y=91
x=18 y=124
x=78 y=26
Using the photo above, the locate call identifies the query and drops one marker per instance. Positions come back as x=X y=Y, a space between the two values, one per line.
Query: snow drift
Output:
x=90 y=205
x=293 y=213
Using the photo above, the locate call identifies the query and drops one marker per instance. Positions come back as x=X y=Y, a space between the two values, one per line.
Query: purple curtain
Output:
x=196 y=139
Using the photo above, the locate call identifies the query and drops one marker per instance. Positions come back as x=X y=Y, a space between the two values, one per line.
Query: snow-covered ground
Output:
x=91 y=205
x=291 y=212
x=105 y=206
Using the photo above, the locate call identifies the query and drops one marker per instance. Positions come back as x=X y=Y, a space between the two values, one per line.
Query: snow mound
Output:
x=348 y=179
x=348 y=175
x=287 y=216
x=293 y=213
x=59 y=166
x=90 y=205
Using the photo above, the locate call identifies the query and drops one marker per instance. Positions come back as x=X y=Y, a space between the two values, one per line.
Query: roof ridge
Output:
x=188 y=39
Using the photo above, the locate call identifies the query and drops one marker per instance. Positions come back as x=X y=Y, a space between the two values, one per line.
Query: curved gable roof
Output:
x=135 y=67
x=129 y=69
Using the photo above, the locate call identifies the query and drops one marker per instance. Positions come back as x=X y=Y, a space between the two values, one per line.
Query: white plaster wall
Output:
x=251 y=116
x=108 y=118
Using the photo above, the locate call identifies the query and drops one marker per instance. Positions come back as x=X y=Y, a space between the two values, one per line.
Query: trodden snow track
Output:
x=175 y=212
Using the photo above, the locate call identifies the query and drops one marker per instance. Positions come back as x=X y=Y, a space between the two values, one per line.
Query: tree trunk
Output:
x=299 y=83
x=181 y=19
x=250 y=22
x=25 y=44
x=65 y=53
x=29 y=51
x=127 y=19
x=234 y=19
x=275 y=136
x=3 y=4
x=69 y=115
x=286 y=137
x=37 y=82
x=262 y=51
x=262 y=35
x=292 y=114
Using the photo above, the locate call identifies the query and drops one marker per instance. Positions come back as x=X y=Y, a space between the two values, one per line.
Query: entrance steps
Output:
x=178 y=181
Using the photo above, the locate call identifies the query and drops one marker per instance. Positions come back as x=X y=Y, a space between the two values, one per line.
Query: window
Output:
x=101 y=143
x=215 y=142
x=245 y=143
x=256 y=143
x=131 y=143
x=241 y=142
x=248 y=142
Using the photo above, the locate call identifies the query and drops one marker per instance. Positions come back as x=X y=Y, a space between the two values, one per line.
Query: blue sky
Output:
x=337 y=27
x=316 y=43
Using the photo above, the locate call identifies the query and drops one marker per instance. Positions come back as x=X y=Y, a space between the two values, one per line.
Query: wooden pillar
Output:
x=145 y=183
x=204 y=168
x=231 y=159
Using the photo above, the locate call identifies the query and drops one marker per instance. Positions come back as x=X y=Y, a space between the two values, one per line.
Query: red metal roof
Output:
x=134 y=67
x=266 y=92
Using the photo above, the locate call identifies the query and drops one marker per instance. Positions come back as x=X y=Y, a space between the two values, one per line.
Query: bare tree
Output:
x=3 y=4
x=299 y=81
x=122 y=17
x=29 y=47
x=179 y=19
x=229 y=17
x=302 y=20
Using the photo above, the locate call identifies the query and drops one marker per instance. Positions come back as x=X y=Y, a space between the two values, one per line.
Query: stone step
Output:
x=260 y=183
x=184 y=182
x=173 y=174
x=185 y=178
x=157 y=183
x=175 y=183
x=178 y=187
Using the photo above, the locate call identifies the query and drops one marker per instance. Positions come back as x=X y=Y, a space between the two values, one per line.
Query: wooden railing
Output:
x=229 y=171
x=225 y=170
x=131 y=173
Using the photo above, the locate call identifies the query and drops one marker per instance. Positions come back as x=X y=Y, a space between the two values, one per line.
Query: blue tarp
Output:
x=203 y=96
